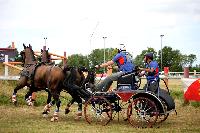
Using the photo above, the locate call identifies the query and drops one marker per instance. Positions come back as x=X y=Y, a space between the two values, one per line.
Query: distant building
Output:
x=11 y=52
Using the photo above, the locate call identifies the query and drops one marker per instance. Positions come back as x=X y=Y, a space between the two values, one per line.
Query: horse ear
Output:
x=48 y=49
x=41 y=50
x=24 y=45
x=30 y=46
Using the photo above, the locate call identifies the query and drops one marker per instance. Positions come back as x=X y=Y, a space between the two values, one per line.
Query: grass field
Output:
x=22 y=118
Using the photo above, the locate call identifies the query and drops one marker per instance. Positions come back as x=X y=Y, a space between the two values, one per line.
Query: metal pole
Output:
x=45 y=38
x=161 y=36
x=104 y=52
x=90 y=49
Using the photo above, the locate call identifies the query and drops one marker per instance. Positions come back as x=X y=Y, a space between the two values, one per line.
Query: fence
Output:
x=171 y=75
x=10 y=64
x=13 y=65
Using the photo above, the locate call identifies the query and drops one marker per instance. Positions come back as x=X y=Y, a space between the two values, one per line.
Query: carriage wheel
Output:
x=120 y=110
x=142 y=112
x=98 y=110
x=163 y=117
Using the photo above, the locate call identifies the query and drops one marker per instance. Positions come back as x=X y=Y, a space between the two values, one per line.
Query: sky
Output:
x=78 y=26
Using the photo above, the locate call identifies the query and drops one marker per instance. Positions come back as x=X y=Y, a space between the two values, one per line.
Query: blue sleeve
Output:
x=116 y=57
x=153 y=65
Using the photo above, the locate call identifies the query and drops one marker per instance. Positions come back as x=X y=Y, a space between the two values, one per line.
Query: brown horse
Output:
x=77 y=77
x=44 y=59
x=40 y=77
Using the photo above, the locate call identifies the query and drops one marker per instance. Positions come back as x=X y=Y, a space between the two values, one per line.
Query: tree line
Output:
x=171 y=58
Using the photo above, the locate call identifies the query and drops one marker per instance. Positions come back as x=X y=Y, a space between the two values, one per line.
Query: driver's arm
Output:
x=148 y=69
x=109 y=63
x=144 y=70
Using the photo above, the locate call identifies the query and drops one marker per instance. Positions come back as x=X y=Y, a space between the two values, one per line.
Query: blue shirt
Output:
x=122 y=63
x=155 y=74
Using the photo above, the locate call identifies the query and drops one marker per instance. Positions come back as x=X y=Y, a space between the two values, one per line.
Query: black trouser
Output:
x=152 y=85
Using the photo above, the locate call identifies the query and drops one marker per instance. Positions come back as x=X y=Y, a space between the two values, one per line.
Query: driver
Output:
x=124 y=65
x=151 y=71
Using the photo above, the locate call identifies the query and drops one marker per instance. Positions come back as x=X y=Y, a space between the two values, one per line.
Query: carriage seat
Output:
x=127 y=82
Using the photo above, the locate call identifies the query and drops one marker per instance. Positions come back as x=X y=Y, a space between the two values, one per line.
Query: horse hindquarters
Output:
x=50 y=77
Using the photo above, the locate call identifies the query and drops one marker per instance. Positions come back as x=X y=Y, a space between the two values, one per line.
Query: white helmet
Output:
x=122 y=47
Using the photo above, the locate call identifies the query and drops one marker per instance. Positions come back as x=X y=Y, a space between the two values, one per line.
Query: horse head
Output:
x=28 y=55
x=45 y=56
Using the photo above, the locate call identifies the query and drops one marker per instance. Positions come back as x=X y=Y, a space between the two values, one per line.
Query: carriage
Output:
x=140 y=106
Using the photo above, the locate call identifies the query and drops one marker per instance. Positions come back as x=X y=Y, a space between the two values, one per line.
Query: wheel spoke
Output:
x=142 y=112
x=98 y=110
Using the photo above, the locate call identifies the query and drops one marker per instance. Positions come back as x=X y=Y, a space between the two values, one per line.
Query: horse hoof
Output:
x=54 y=119
x=45 y=115
x=14 y=99
x=45 y=112
x=126 y=119
x=15 y=103
x=67 y=111
x=30 y=104
x=78 y=116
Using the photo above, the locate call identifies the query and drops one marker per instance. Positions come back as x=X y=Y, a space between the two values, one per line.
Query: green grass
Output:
x=176 y=94
x=23 y=118
x=195 y=104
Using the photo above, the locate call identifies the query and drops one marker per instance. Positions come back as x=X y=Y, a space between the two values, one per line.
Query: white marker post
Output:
x=6 y=67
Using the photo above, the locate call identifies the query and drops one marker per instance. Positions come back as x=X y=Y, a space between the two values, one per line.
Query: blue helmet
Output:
x=149 y=56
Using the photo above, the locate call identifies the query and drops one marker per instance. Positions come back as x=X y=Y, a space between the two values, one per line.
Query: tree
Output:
x=97 y=55
x=188 y=60
x=197 y=68
x=174 y=59
x=77 y=60
x=170 y=58
x=139 y=59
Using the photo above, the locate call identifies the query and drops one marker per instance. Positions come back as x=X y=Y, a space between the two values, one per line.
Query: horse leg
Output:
x=77 y=99
x=49 y=95
x=74 y=99
x=28 y=98
x=21 y=83
x=49 y=104
x=55 y=115
x=67 y=109
x=47 y=108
